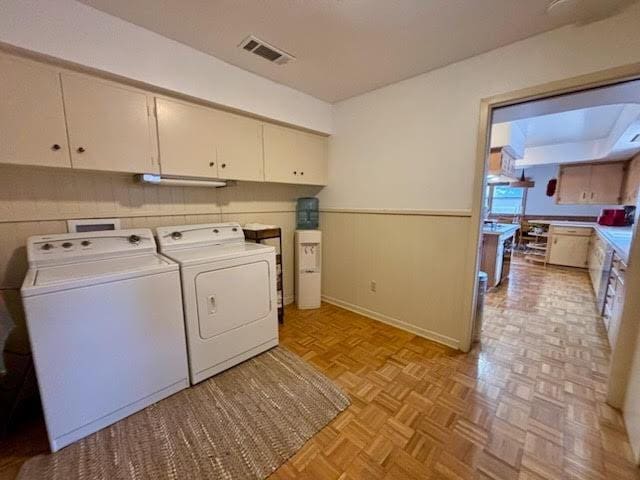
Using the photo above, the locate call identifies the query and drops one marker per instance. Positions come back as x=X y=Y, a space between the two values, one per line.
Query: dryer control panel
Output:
x=189 y=236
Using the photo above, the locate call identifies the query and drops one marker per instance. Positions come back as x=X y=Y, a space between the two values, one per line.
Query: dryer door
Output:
x=231 y=297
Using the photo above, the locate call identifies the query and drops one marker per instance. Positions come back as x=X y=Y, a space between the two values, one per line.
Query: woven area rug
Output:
x=241 y=424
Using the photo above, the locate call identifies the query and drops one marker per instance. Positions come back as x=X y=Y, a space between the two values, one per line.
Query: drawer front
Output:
x=580 y=231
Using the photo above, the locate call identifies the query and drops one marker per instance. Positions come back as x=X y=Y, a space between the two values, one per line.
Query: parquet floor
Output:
x=528 y=403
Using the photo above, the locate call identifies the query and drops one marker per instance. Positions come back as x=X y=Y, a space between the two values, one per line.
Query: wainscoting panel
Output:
x=36 y=201
x=417 y=263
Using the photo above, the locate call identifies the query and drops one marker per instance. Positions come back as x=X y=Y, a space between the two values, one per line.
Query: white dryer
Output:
x=229 y=294
x=104 y=314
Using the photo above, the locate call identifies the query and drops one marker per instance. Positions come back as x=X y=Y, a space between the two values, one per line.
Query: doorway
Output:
x=518 y=182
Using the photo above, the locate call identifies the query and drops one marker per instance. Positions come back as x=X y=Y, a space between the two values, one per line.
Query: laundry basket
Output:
x=483 y=279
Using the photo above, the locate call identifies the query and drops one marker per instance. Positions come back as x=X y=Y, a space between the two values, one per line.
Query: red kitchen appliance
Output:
x=614 y=217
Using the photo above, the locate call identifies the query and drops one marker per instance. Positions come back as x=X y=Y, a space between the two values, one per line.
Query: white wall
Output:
x=539 y=204
x=75 y=32
x=412 y=144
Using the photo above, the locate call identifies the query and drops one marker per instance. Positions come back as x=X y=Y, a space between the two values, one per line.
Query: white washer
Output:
x=105 y=319
x=229 y=294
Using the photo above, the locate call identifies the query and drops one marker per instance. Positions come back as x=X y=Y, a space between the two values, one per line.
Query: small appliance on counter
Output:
x=615 y=217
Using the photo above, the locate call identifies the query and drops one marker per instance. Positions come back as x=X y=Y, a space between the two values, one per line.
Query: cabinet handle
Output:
x=211 y=164
x=591 y=195
x=295 y=172
x=224 y=165
x=301 y=173
x=55 y=147
x=80 y=150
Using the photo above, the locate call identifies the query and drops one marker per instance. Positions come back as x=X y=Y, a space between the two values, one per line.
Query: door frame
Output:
x=623 y=354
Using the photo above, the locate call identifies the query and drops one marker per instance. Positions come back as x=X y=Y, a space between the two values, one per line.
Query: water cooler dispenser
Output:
x=308 y=260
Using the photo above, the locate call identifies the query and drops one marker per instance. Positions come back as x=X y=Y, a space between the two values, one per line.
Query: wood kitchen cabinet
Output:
x=109 y=126
x=32 y=125
x=293 y=156
x=570 y=246
x=598 y=184
x=632 y=182
x=501 y=164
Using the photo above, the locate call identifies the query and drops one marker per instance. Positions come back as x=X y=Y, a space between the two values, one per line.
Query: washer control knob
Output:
x=85 y=243
x=176 y=235
x=134 y=239
x=234 y=229
x=67 y=245
x=215 y=230
x=46 y=246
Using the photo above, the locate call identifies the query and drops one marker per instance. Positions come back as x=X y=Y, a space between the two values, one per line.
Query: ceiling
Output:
x=348 y=47
x=573 y=126
x=591 y=125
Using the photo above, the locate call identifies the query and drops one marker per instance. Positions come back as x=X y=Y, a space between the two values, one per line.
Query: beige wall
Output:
x=411 y=146
x=416 y=285
x=38 y=200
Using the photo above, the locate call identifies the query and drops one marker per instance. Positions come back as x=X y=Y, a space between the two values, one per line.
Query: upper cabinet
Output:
x=292 y=156
x=501 y=167
x=598 y=184
x=109 y=126
x=239 y=147
x=632 y=182
x=50 y=116
x=198 y=141
x=186 y=139
x=32 y=127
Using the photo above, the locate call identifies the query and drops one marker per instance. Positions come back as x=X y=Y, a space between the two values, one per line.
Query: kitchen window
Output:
x=505 y=200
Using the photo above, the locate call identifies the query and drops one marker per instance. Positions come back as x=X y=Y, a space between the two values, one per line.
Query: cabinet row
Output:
x=599 y=184
x=57 y=118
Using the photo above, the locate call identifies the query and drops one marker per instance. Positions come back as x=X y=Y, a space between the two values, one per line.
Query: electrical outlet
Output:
x=373 y=286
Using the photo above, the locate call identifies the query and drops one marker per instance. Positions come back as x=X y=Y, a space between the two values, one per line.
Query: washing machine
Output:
x=229 y=294
x=105 y=321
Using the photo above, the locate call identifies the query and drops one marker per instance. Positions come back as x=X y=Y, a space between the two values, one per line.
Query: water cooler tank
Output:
x=307 y=271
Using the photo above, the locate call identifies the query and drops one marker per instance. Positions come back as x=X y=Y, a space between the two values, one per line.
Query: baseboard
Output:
x=421 y=332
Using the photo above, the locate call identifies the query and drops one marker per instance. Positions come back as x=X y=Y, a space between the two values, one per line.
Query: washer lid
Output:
x=81 y=274
x=194 y=256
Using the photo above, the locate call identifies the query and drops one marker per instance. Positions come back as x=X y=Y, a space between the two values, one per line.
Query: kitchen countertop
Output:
x=618 y=237
x=500 y=228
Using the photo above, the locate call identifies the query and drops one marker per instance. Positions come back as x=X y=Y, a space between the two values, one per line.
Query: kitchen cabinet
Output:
x=293 y=156
x=109 y=126
x=632 y=182
x=239 y=147
x=32 y=125
x=614 y=301
x=186 y=139
x=569 y=246
x=496 y=249
x=598 y=184
x=595 y=261
x=501 y=166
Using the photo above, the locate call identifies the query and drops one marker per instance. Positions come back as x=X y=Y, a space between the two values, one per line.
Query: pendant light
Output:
x=522 y=182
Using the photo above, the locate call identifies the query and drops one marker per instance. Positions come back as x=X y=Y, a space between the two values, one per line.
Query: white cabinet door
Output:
x=239 y=147
x=569 y=250
x=109 y=126
x=32 y=127
x=186 y=139
x=292 y=156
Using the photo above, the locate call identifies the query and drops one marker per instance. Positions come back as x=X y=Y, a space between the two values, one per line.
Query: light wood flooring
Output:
x=527 y=403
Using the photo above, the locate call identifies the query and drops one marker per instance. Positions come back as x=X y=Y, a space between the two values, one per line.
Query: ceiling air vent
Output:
x=263 y=49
